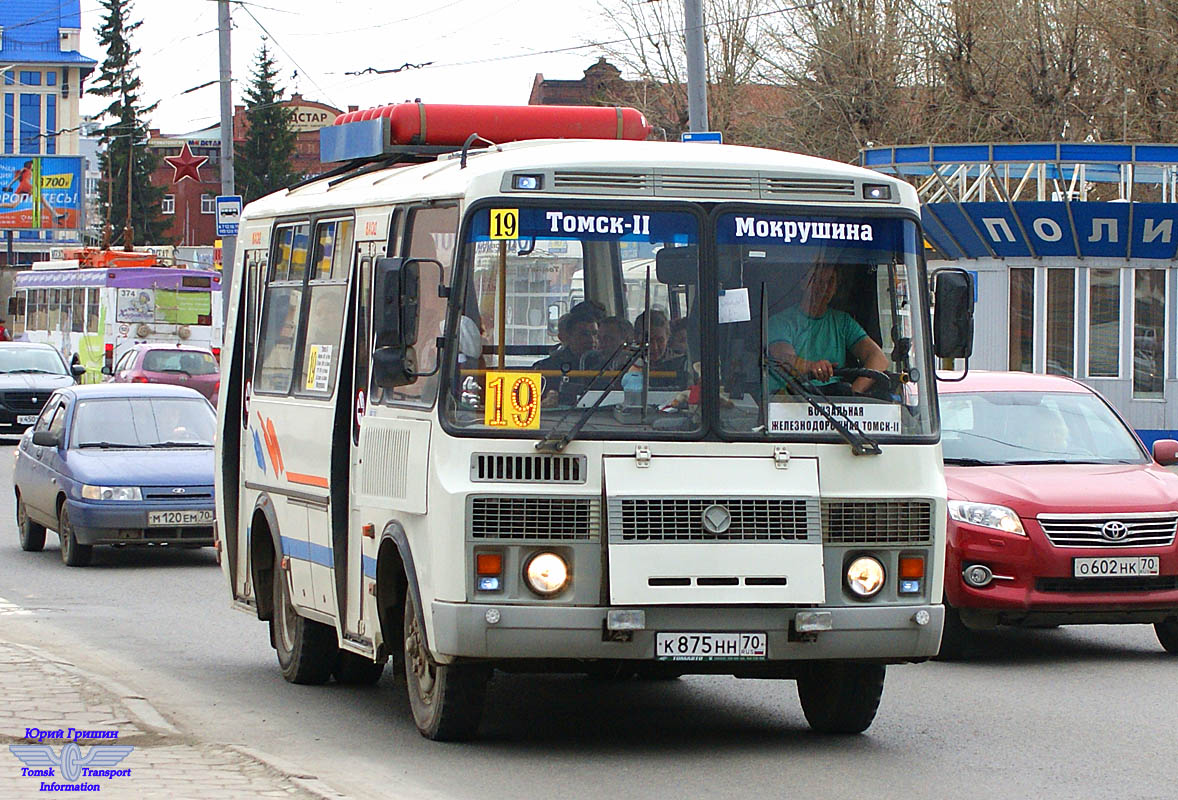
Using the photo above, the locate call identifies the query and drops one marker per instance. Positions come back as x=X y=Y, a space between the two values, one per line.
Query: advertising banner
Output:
x=40 y=192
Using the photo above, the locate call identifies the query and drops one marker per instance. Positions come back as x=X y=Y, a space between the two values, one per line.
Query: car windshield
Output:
x=553 y=333
x=32 y=360
x=190 y=362
x=133 y=422
x=832 y=302
x=983 y=428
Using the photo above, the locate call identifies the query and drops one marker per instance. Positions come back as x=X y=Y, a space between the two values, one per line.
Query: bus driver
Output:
x=813 y=339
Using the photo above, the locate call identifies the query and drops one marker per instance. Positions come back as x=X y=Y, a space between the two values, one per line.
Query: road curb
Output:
x=305 y=781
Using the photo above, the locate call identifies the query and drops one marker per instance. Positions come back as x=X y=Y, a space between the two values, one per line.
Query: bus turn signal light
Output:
x=911 y=567
x=488 y=564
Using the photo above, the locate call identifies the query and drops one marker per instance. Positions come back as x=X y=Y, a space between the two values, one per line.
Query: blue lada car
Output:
x=118 y=464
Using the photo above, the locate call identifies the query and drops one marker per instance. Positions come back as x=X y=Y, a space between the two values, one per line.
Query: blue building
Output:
x=1074 y=250
x=41 y=75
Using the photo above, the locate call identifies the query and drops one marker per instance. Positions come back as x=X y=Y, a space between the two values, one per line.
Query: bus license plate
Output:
x=171 y=518
x=1115 y=566
x=26 y=419
x=710 y=646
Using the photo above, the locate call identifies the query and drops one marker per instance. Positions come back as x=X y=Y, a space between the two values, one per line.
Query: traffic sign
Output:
x=228 y=214
x=713 y=137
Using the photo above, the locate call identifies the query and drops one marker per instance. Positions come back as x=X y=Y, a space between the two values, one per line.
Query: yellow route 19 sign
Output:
x=504 y=223
x=512 y=400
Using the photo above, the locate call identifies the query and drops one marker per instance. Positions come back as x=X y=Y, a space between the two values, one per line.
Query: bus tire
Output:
x=307 y=650
x=353 y=669
x=73 y=553
x=1167 y=633
x=841 y=696
x=32 y=535
x=446 y=699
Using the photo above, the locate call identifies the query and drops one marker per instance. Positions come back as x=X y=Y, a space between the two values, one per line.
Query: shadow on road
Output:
x=108 y=557
x=1019 y=646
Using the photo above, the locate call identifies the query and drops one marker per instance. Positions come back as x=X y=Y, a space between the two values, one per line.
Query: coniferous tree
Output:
x=263 y=159
x=124 y=135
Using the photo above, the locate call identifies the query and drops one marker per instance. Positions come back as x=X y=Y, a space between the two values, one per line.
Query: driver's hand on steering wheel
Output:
x=822 y=369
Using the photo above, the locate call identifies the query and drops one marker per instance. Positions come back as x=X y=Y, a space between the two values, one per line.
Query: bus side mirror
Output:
x=394 y=321
x=953 y=318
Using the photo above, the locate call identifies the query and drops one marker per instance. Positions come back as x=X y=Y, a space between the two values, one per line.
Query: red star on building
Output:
x=186 y=165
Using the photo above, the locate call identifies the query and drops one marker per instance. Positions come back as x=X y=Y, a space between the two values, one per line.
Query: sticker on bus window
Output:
x=504 y=223
x=512 y=401
x=319 y=368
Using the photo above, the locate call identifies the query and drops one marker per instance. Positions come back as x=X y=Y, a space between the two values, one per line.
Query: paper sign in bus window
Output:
x=512 y=401
x=319 y=367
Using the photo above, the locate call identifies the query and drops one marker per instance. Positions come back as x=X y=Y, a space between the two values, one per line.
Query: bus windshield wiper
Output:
x=553 y=443
x=973 y=462
x=861 y=444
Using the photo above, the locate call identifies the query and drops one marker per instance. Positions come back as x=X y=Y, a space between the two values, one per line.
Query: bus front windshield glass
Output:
x=578 y=316
x=820 y=313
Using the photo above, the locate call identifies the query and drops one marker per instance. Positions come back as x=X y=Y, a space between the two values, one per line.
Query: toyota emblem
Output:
x=1114 y=530
x=716 y=519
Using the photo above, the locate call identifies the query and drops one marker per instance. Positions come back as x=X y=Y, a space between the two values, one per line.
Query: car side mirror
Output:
x=46 y=439
x=397 y=295
x=953 y=318
x=77 y=370
x=1165 y=452
x=107 y=370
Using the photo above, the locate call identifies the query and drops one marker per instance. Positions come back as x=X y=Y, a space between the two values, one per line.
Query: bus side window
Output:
x=326 y=304
x=92 y=314
x=20 y=303
x=78 y=312
x=432 y=234
x=283 y=300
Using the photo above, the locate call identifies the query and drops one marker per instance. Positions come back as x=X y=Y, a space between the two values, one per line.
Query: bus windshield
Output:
x=568 y=313
x=820 y=312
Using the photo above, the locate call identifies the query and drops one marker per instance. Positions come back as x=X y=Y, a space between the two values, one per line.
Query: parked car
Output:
x=1058 y=514
x=117 y=464
x=28 y=375
x=178 y=365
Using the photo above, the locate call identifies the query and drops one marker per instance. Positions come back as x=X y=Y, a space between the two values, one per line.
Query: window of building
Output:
x=50 y=78
x=168 y=204
x=30 y=123
x=1061 y=322
x=51 y=123
x=9 y=122
x=1104 y=323
x=29 y=78
x=1022 y=320
x=1149 y=333
x=9 y=78
x=208 y=204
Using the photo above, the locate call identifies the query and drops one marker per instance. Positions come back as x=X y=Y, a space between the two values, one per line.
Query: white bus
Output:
x=97 y=312
x=397 y=478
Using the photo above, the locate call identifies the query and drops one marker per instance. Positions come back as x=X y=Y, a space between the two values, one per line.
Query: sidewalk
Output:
x=43 y=692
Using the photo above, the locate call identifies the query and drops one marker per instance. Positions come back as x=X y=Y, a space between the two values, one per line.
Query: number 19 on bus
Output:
x=513 y=400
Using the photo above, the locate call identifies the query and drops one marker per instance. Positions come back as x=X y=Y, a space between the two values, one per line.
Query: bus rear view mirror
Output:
x=677 y=266
x=397 y=292
x=953 y=318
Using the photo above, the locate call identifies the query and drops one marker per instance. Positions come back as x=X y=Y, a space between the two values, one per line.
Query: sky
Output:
x=482 y=51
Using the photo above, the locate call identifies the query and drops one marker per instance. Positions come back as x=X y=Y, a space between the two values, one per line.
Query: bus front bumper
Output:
x=882 y=633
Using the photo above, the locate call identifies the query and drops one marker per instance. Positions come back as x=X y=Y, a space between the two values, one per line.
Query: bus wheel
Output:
x=72 y=553
x=306 y=649
x=357 y=670
x=840 y=696
x=446 y=699
x=1167 y=633
x=32 y=535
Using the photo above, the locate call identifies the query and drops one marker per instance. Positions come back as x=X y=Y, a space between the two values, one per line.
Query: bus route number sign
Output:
x=512 y=401
x=504 y=223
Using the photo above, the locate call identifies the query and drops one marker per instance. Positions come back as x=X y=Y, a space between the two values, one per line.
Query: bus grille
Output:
x=535 y=518
x=527 y=468
x=1080 y=530
x=877 y=521
x=680 y=519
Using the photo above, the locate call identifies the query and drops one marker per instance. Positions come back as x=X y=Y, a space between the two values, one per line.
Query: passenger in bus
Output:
x=677 y=346
x=613 y=333
x=668 y=371
x=577 y=334
x=5 y=336
x=813 y=339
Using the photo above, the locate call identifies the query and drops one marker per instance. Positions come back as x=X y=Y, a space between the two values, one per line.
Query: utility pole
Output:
x=697 y=75
x=228 y=243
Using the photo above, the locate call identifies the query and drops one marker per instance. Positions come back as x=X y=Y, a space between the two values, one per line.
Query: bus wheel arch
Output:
x=264 y=554
x=394 y=576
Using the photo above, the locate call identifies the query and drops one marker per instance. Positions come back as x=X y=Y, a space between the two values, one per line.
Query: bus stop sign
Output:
x=228 y=214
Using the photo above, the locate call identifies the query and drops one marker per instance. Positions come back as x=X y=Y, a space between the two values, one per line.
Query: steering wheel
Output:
x=883 y=384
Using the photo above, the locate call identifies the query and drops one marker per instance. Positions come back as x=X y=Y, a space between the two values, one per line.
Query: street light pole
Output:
x=228 y=243
x=697 y=77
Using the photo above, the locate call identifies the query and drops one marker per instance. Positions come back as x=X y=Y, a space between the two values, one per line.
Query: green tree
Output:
x=126 y=162
x=263 y=158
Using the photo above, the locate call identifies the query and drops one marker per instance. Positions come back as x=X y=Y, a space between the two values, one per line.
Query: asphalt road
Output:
x=1068 y=713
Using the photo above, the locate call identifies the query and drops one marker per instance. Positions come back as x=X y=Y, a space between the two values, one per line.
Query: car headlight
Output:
x=999 y=518
x=547 y=574
x=865 y=576
x=111 y=493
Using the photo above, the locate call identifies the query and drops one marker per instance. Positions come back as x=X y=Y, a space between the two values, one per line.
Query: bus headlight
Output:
x=547 y=574
x=111 y=493
x=865 y=576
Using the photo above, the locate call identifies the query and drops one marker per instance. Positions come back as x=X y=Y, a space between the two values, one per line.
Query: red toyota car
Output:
x=1058 y=515
x=179 y=365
